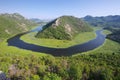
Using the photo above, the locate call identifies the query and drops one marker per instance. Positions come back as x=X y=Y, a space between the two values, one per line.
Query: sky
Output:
x=49 y=9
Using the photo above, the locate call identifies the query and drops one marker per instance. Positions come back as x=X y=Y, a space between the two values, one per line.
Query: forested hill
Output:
x=115 y=35
x=104 y=21
x=64 y=28
x=11 y=24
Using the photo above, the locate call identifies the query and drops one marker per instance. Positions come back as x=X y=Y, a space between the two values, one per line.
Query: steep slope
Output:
x=11 y=24
x=63 y=28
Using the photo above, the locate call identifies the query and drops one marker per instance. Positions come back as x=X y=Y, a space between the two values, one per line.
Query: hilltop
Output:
x=11 y=24
x=63 y=28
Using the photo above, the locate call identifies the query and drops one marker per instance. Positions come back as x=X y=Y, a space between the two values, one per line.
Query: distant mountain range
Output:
x=105 y=21
x=11 y=24
x=65 y=27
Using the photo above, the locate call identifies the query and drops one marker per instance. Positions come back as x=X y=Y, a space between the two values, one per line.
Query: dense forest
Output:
x=83 y=67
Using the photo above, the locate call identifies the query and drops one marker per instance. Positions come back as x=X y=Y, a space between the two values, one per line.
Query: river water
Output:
x=90 y=45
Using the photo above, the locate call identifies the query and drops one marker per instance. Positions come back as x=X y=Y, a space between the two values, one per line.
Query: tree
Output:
x=52 y=76
x=35 y=77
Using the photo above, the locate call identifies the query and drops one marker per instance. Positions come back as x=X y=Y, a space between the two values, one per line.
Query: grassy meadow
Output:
x=79 y=39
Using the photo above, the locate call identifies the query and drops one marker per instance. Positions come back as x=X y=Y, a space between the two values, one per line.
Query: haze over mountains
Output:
x=104 y=21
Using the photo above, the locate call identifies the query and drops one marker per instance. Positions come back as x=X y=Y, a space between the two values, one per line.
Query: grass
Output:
x=109 y=47
x=5 y=49
x=107 y=32
x=79 y=39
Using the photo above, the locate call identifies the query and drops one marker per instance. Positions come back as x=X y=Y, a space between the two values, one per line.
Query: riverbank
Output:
x=54 y=43
x=79 y=48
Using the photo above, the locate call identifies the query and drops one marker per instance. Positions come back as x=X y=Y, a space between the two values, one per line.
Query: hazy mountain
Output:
x=104 y=21
x=65 y=27
x=40 y=21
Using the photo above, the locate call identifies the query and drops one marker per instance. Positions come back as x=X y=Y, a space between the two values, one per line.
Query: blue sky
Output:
x=48 y=9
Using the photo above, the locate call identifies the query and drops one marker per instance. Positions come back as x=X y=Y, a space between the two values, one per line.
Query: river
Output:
x=90 y=45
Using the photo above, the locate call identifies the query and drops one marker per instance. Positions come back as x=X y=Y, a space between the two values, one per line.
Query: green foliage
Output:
x=35 y=77
x=75 y=72
x=51 y=76
x=55 y=33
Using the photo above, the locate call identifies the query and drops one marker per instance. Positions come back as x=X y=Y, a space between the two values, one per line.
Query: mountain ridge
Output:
x=104 y=21
x=11 y=24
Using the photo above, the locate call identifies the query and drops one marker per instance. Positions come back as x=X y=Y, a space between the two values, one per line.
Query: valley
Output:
x=99 y=40
x=100 y=63
x=55 y=43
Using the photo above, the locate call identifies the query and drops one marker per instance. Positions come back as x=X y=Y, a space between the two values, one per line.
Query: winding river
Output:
x=90 y=45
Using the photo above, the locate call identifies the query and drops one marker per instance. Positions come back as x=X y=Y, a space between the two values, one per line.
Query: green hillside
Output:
x=11 y=24
x=63 y=28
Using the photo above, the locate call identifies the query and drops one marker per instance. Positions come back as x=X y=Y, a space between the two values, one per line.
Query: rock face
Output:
x=63 y=28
